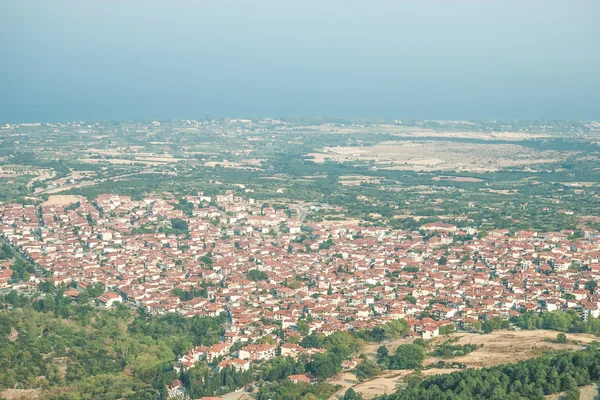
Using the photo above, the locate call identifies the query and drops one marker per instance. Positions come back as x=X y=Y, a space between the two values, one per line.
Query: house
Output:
x=236 y=364
x=5 y=275
x=291 y=350
x=72 y=293
x=259 y=352
x=108 y=299
x=176 y=390
x=217 y=350
x=302 y=378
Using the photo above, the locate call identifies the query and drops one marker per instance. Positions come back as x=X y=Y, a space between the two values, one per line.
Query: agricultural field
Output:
x=441 y=156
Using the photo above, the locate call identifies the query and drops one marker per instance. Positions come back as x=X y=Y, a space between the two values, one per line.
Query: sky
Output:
x=76 y=60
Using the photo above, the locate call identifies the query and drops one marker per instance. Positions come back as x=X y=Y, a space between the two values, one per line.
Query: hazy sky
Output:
x=444 y=59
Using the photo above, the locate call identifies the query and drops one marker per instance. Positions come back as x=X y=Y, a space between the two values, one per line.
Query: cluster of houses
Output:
x=331 y=275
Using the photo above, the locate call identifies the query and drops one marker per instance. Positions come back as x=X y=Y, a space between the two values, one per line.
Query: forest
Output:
x=88 y=353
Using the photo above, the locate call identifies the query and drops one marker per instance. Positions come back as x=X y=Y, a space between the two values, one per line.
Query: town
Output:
x=269 y=271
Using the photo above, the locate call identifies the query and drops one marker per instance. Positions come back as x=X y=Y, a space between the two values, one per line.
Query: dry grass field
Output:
x=503 y=347
x=589 y=392
x=457 y=179
x=439 y=155
x=499 y=347
x=356 y=180
x=21 y=394
x=412 y=132
x=64 y=200
x=250 y=165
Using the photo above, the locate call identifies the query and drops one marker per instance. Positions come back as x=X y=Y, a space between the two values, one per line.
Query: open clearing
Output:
x=64 y=200
x=151 y=161
x=439 y=156
x=499 y=347
x=586 y=393
x=234 y=165
x=356 y=180
x=412 y=132
x=18 y=394
x=503 y=347
x=457 y=179
x=127 y=156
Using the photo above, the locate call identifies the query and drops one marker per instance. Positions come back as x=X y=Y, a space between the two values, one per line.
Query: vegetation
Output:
x=388 y=331
x=86 y=353
x=532 y=379
x=256 y=275
x=21 y=269
x=447 y=350
x=179 y=225
x=367 y=369
x=6 y=252
x=562 y=321
x=407 y=356
x=203 y=380
x=352 y=395
x=286 y=390
x=192 y=293
x=340 y=346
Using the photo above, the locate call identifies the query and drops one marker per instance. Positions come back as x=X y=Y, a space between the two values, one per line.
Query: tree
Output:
x=322 y=366
x=590 y=286
x=572 y=394
x=447 y=329
x=442 y=260
x=352 y=395
x=256 y=275
x=366 y=369
x=179 y=224
x=407 y=356
x=395 y=328
x=382 y=352
x=561 y=338
x=302 y=327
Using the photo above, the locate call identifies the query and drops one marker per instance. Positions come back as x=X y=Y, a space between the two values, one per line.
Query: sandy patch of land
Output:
x=21 y=394
x=127 y=156
x=439 y=155
x=585 y=393
x=152 y=161
x=457 y=178
x=81 y=174
x=233 y=165
x=499 y=191
x=506 y=136
x=64 y=200
x=499 y=347
x=356 y=180
x=580 y=184
x=504 y=347
x=412 y=132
